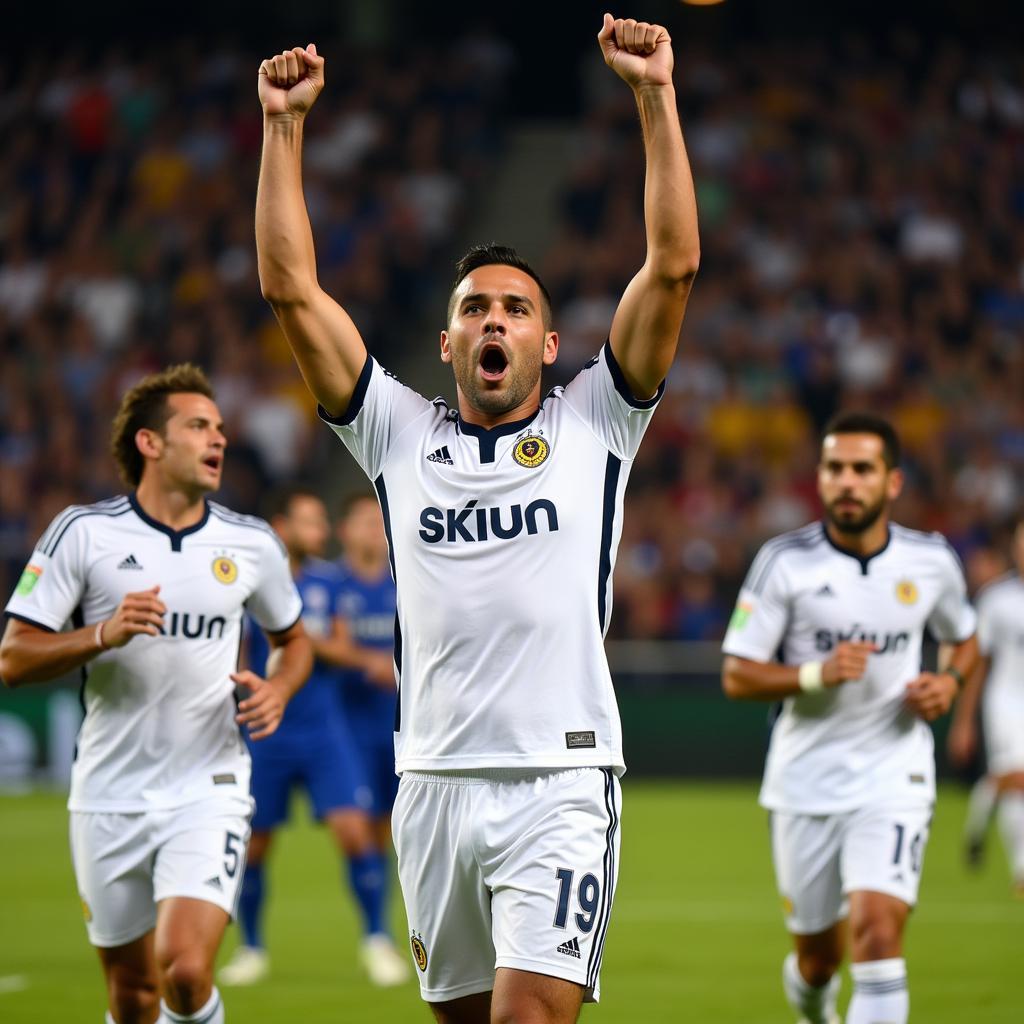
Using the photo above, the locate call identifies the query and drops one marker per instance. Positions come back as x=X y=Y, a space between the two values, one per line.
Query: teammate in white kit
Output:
x=503 y=515
x=850 y=774
x=998 y=686
x=153 y=586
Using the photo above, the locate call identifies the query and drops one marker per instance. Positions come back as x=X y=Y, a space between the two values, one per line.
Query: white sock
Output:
x=880 y=993
x=980 y=806
x=1011 y=823
x=109 y=1019
x=211 y=1013
x=817 y=1005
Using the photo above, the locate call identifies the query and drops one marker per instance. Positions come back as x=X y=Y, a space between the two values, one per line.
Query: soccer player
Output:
x=502 y=516
x=998 y=686
x=154 y=585
x=850 y=773
x=314 y=749
x=366 y=608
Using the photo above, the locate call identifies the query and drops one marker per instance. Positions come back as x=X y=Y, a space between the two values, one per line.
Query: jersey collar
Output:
x=864 y=560
x=176 y=536
x=487 y=437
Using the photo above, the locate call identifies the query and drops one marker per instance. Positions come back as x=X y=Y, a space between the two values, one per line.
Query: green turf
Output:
x=696 y=934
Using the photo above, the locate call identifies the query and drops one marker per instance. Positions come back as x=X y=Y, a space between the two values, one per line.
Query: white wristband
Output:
x=98 y=637
x=810 y=677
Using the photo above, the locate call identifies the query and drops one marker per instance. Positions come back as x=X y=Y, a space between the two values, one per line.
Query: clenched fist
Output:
x=848 y=661
x=638 y=52
x=291 y=82
x=139 y=614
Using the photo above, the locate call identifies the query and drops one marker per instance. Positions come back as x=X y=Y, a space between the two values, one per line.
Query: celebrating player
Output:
x=850 y=775
x=998 y=685
x=154 y=585
x=315 y=749
x=503 y=516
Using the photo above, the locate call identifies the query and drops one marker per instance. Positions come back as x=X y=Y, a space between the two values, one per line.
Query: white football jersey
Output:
x=159 y=728
x=857 y=743
x=502 y=546
x=1001 y=637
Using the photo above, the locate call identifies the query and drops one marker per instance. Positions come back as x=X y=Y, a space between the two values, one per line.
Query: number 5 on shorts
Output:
x=233 y=850
x=587 y=895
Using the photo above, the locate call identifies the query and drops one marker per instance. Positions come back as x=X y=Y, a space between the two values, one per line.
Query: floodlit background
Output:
x=860 y=177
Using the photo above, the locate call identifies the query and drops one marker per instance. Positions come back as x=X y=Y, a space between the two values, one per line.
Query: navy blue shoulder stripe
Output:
x=61 y=520
x=226 y=515
x=84 y=512
x=769 y=554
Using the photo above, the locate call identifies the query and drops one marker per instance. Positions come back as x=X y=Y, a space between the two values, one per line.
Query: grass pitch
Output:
x=696 y=934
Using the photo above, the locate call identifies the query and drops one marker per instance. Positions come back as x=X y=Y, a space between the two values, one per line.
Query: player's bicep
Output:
x=327 y=345
x=275 y=603
x=953 y=619
x=645 y=329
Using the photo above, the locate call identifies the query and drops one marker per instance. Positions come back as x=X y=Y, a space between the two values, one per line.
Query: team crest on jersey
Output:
x=86 y=910
x=225 y=569
x=906 y=592
x=419 y=951
x=531 y=451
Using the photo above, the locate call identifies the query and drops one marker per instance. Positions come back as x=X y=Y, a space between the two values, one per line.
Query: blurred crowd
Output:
x=126 y=243
x=862 y=226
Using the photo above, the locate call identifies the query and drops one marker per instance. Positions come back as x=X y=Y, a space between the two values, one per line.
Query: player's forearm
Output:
x=293 y=663
x=967 y=663
x=34 y=656
x=670 y=205
x=340 y=652
x=284 y=238
x=755 y=680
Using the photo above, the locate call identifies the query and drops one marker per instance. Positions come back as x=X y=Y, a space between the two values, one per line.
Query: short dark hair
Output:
x=349 y=502
x=491 y=254
x=280 y=503
x=857 y=422
x=145 y=407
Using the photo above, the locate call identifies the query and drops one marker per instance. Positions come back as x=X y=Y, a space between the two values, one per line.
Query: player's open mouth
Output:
x=213 y=462
x=493 y=362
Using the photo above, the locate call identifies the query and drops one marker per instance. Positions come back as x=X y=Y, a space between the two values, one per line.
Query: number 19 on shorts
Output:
x=587 y=895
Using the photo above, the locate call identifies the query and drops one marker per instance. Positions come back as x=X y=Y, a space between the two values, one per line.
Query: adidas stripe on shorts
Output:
x=507 y=868
x=126 y=863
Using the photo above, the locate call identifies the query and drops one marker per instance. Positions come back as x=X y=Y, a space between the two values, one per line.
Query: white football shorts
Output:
x=127 y=863
x=1003 y=719
x=507 y=868
x=820 y=859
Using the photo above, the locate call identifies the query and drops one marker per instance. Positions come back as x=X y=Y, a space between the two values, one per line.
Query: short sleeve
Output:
x=381 y=407
x=988 y=626
x=53 y=583
x=952 y=619
x=759 y=621
x=275 y=603
x=600 y=396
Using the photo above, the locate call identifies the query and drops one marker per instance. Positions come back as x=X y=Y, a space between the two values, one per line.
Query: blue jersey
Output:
x=315 y=703
x=368 y=607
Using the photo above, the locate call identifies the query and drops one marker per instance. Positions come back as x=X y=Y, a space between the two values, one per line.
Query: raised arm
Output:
x=645 y=330
x=325 y=341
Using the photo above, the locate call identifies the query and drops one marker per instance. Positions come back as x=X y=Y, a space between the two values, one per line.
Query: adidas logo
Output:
x=442 y=455
x=825 y=591
x=214 y=883
x=130 y=563
x=570 y=948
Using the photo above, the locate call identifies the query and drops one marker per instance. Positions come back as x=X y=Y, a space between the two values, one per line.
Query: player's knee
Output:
x=134 y=1001
x=188 y=979
x=876 y=938
x=817 y=968
x=525 y=1008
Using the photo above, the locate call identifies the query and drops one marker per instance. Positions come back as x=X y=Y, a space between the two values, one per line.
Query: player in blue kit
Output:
x=315 y=750
x=366 y=607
